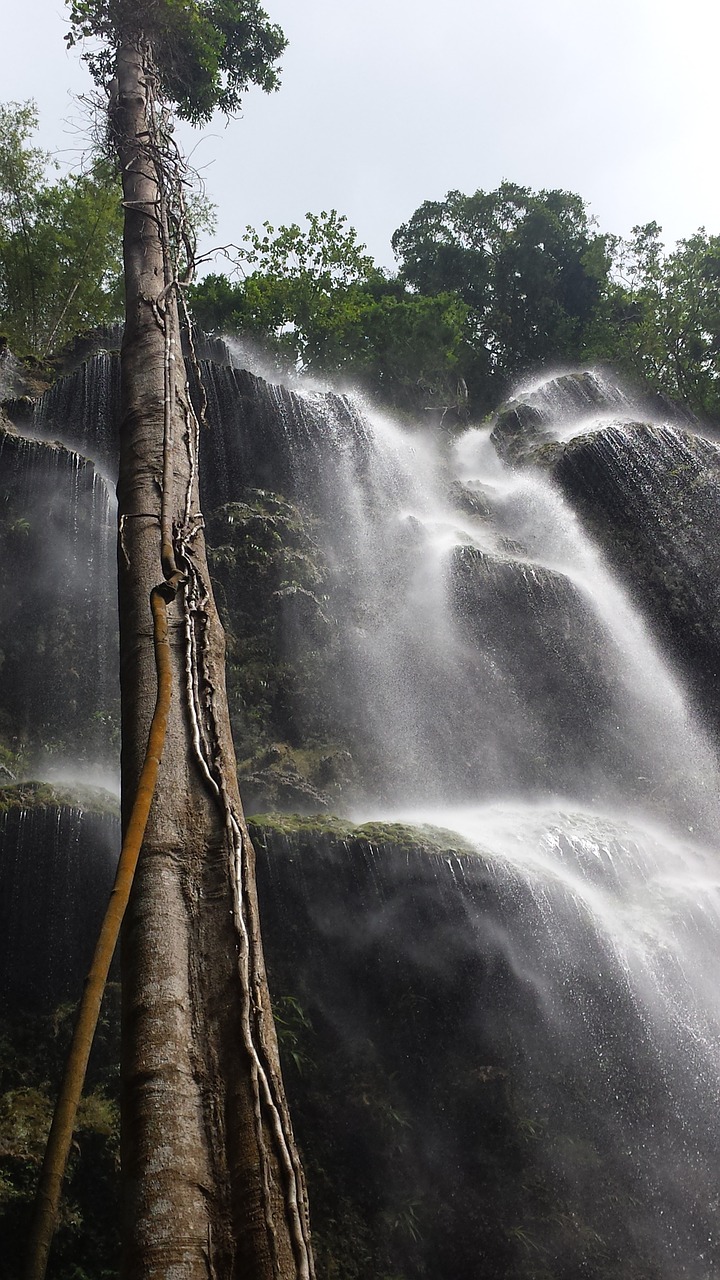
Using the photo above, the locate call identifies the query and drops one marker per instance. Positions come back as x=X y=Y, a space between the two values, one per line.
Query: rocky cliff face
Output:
x=649 y=493
x=445 y=1115
x=57 y=866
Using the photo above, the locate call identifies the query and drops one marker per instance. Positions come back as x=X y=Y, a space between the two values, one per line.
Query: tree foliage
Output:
x=319 y=304
x=206 y=52
x=326 y=255
x=296 y=293
x=660 y=317
x=59 y=242
x=529 y=267
x=490 y=286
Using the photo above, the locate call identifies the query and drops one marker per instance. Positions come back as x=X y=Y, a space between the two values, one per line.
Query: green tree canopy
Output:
x=318 y=303
x=491 y=286
x=296 y=290
x=660 y=317
x=529 y=267
x=206 y=52
x=325 y=255
x=59 y=241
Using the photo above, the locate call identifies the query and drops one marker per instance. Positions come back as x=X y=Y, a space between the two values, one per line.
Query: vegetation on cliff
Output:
x=489 y=286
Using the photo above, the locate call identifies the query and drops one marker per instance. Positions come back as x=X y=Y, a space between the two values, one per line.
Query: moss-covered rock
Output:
x=307 y=829
x=271 y=582
x=29 y=795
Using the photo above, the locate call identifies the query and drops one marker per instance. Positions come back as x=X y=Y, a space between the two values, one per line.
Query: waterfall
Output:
x=58 y=677
x=503 y=684
x=56 y=873
x=631 y=703
x=81 y=410
x=509 y=634
x=483 y=645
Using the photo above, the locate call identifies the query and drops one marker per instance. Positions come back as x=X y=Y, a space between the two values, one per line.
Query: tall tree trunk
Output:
x=213 y=1183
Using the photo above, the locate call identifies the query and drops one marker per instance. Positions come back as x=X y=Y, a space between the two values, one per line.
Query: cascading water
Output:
x=82 y=410
x=643 y=744
x=484 y=648
x=57 y=870
x=504 y=686
x=58 y=679
x=490 y=675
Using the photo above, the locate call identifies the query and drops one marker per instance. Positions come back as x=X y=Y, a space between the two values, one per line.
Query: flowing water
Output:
x=58 y=674
x=58 y=867
x=486 y=647
x=511 y=691
x=493 y=677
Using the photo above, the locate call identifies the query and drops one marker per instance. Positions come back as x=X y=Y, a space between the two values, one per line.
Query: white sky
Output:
x=386 y=103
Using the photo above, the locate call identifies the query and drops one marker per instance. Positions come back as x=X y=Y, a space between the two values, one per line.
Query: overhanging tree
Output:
x=213 y=1182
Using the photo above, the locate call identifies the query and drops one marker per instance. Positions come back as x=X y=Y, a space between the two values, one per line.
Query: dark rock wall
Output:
x=57 y=867
x=82 y=409
x=651 y=497
x=448 y=1126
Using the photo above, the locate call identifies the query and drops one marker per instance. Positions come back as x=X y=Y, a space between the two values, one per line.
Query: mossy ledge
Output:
x=45 y=795
x=392 y=835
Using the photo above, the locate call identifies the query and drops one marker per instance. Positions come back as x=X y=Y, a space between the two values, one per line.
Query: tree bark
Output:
x=213 y=1183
